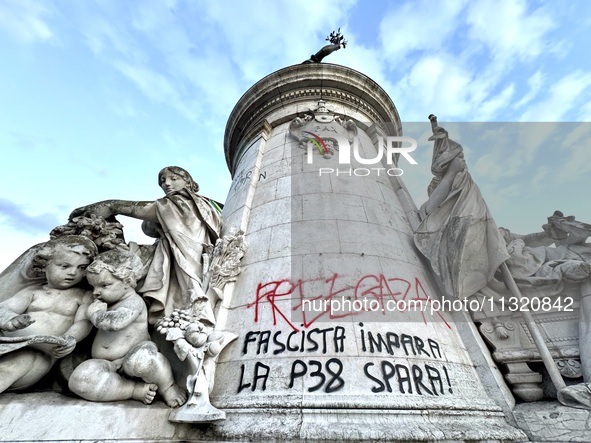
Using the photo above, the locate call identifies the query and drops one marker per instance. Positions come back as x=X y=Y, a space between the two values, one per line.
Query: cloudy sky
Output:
x=98 y=96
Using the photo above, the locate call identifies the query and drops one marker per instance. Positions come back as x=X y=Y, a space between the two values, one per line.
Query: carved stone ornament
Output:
x=320 y=130
x=501 y=329
x=221 y=263
x=570 y=368
x=196 y=341
x=106 y=234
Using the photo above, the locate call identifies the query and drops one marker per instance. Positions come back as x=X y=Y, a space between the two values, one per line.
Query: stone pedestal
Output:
x=49 y=416
x=552 y=422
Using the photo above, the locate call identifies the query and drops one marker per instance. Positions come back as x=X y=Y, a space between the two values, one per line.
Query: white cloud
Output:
x=489 y=109
x=508 y=29
x=447 y=86
x=103 y=35
x=577 y=147
x=155 y=86
x=124 y=108
x=26 y=20
x=259 y=43
x=365 y=60
x=418 y=26
x=184 y=63
x=562 y=97
x=535 y=83
x=446 y=70
x=540 y=178
x=585 y=112
x=512 y=148
x=491 y=165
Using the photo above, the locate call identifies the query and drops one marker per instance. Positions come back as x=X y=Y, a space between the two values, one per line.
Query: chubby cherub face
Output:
x=171 y=182
x=107 y=287
x=66 y=269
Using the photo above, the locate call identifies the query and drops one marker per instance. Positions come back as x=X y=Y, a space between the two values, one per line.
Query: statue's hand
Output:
x=101 y=209
x=65 y=349
x=18 y=322
x=94 y=307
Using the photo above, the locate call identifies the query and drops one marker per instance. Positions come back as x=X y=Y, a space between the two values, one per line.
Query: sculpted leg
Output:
x=23 y=368
x=144 y=361
x=98 y=380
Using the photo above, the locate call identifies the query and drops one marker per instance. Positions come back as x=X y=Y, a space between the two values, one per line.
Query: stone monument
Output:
x=333 y=232
x=311 y=310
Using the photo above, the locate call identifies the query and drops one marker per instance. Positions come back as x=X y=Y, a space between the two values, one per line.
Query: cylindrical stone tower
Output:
x=339 y=336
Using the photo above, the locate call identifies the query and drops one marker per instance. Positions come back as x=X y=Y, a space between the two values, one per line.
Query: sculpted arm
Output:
x=574 y=239
x=116 y=319
x=544 y=238
x=82 y=325
x=143 y=210
x=441 y=192
x=536 y=239
x=12 y=311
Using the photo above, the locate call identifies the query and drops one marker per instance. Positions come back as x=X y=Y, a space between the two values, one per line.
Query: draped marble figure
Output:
x=183 y=222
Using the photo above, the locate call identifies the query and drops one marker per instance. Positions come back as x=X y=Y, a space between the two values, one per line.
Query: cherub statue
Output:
x=43 y=322
x=122 y=351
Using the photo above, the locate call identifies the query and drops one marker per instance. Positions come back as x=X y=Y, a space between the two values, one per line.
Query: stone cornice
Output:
x=300 y=83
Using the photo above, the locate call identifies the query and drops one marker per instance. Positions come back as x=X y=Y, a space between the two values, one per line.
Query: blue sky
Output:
x=98 y=96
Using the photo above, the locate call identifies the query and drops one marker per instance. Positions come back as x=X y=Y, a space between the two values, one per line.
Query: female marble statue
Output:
x=183 y=221
x=457 y=233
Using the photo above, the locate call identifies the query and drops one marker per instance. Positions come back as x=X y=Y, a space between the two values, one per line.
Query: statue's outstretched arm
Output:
x=143 y=210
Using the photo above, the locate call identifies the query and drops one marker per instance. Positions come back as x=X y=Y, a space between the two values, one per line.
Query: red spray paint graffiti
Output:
x=379 y=290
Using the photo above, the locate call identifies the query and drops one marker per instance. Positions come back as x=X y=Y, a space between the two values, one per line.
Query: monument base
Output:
x=51 y=417
x=552 y=422
x=201 y=413
x=337 y=425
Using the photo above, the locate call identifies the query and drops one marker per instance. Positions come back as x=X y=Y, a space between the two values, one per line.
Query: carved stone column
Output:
x=321 y=231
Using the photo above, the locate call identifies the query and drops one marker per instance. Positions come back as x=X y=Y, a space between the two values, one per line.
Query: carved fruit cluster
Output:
x=187 y=326
x=180 y=318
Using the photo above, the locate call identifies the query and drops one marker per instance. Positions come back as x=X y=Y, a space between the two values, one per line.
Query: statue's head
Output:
x=176 y=172
x=122 y=265
x=68 y=250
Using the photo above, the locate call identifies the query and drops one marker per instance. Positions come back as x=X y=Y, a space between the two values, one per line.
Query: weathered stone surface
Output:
x=59 y=418
x=338 y=236
x=552 y=422
x=47 y=416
